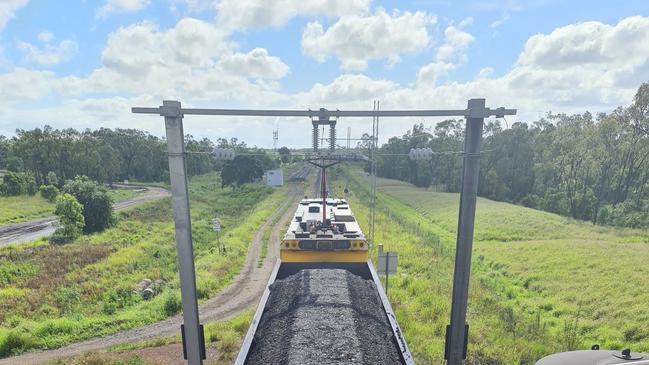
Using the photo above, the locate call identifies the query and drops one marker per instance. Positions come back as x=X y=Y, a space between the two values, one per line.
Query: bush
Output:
x=172 y=304
x=97 y=205
x=14 y=342
x=52 y=179
x=13 y=183
x=71 y=220
x=30 y=185
x=66 y=298
x=49 y=192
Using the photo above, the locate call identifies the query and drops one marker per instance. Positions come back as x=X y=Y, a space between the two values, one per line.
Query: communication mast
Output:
x=275 y=138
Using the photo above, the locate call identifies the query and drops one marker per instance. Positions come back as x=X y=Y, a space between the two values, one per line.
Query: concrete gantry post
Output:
x=180 y=203
x=457 y=332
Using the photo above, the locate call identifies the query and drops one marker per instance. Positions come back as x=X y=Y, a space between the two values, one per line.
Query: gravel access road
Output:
x=43 y=227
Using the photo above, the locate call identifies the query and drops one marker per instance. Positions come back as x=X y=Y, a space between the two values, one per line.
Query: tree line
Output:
x=104 y=155
x=589 y=167
x=113 y=155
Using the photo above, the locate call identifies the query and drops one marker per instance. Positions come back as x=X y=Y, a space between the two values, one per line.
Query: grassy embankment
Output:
x=223 y=336
x=541 y=283
x=16 y=209
x=54 y=295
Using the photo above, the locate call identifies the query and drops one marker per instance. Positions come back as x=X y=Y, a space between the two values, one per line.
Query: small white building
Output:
x=275 y=177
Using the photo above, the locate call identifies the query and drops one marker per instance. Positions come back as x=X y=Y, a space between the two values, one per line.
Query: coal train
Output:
x=324 y=302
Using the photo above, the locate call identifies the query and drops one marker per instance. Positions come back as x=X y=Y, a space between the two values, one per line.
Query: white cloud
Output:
x=356 y=39
x=8 y=10
x=256 y=63
x=45 y=36
x=194 y=60
x=239 y=15
x=431 y=72
x=590 y=44
x=558 y=71
x=466 y=22
x=48 y=54
x=21 y=84
x=346 y=89
x=503 y=18
x=456 y=41
x=449 y=56
x=124 y=6
x=485 y=72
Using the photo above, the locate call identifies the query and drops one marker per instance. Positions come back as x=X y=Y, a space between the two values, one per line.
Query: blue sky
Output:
x=82 y=63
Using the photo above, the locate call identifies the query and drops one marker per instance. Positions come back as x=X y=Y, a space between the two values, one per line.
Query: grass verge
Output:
x=541 y=283
x=54 y=295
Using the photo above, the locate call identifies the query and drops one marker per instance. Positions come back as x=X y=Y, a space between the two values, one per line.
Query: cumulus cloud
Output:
x=47 y=54
x=590 y=44
x=356 y=39
x=346 y=89
x=192 y=60
x=123 y=6
x=560 y=71
x=449 y=55
x=456 y=41
x=256 y=63
x=20 y=84
x=8 y=10
x=239 y=15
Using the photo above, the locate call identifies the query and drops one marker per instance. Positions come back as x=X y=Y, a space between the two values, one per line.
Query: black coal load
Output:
x=324 y=316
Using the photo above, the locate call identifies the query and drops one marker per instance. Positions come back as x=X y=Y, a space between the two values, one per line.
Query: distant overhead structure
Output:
x=275 y=138
x=173 y=113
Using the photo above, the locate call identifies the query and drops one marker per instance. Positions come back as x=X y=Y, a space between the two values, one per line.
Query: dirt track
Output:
x=244 y=291
x=42 y=227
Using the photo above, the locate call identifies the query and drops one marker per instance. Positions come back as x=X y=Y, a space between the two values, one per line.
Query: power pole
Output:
x=192 y=335
x=375 y=136
x=458 y=331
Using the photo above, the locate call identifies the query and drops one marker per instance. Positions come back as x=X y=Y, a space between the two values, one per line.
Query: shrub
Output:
x=30 y=185
x=13 y=183
x=172 y=304
x=71 y=220
x=52 y=179
x=49 y=192
x=118 y=298
x=14 y=342
x=66 y=298
x=97 y=205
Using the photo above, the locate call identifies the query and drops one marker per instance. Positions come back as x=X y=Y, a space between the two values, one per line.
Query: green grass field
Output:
x=541 y=283
x=53 y=295
x=16 y=209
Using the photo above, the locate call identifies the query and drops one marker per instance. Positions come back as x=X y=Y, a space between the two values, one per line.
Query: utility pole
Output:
x=192 y=335
x=458 y=331
x=375 y=136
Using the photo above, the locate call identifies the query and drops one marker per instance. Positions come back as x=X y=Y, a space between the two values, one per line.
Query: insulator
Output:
x=332 y=137
x=315 y=138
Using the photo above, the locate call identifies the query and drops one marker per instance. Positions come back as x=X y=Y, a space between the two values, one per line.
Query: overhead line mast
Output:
x=474 y=114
